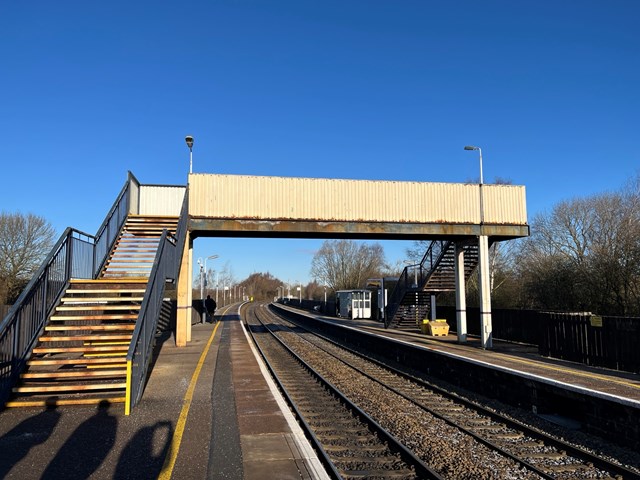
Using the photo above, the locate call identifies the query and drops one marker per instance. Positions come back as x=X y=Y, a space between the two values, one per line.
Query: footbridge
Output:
x=464 y=219
x=83 y=329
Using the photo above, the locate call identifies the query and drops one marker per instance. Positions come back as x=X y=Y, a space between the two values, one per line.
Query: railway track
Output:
x=454 y=437
x=350 y=443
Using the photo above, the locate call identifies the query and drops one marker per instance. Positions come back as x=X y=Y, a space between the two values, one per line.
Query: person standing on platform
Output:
x=210 y=305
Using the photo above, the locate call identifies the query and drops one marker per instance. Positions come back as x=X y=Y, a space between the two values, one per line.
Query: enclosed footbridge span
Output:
x=464 y=218
x=332 y=208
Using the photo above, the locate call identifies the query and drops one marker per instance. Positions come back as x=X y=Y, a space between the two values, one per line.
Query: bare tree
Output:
x=343 y=264
x=585 y=254
x=25 y=240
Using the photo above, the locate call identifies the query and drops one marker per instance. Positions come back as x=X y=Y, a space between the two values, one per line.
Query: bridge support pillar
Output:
x=461 y=299
x=484 y=281
x=183 y=320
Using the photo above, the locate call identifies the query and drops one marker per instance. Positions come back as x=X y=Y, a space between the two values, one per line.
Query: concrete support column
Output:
x=484 y=281
x=433 y=307
x=461 y=299
x=184 y=294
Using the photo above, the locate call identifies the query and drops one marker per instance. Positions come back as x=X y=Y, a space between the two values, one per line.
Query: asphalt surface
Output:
x=81 y=442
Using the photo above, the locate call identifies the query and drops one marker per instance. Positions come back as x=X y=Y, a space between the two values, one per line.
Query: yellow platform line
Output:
x=176 y=440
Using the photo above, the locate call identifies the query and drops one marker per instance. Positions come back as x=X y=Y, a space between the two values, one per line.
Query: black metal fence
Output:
x=610 y=342
x=601 y=341
x=520 y=326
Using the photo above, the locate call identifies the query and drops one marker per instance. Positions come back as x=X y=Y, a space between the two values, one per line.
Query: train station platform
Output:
x=208 y=411
x=519 y=358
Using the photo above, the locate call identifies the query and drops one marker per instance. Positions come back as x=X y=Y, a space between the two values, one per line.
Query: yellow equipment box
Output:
x=435 y=328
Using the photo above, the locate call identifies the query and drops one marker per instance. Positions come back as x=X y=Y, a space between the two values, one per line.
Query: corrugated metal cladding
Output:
x=274 y=198
x=161 y=200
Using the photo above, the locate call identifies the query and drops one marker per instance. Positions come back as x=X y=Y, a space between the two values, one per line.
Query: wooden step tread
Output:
x=81 y=308
x=90 y=328
x=68 y=387
x=86 y=350
x=138 y=239
x=65 y=318
x=83 y=373
x=103 y=290
x=99 y=280
x=58 y=401
x=129 y=261
x=129 y=268
x=115 y=362
x=85 y=338
x=67 y=300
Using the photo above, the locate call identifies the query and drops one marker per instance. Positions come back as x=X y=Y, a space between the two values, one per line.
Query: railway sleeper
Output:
x=547 y=456
x=375 y=473
x=373 y=449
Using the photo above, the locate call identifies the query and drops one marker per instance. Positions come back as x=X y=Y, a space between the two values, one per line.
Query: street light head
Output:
x=212 y=257
x=471 y=147
x=189 y=140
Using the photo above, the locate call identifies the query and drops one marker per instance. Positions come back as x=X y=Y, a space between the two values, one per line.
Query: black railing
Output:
x=113 y=222
x=75 y=255
x=72 y=256
x=413 y=281
x=166 y=268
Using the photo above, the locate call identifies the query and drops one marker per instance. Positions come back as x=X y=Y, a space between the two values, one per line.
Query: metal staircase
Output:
x=80 y=357
x=410 y=301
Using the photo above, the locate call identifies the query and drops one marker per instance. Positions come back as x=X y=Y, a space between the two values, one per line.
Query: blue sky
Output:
x=346 y=89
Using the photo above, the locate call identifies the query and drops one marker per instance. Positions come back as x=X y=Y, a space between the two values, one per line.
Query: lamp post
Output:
x=203 y=273
x=210 y=257
x=202 y=288
x=471 y=147
x=325 y=299
x=486 y=335
x=189 y=140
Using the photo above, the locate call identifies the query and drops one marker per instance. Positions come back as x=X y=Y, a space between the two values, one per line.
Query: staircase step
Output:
x=69 y=387
x=104 y=290
x=89 y=362
x=103 y=282
x=51 y=401
x=84 y=373
x=86 y=350
x=90 y=328
x=65 y=318
x=97 y=308
x=87 y=338
x=67 y=300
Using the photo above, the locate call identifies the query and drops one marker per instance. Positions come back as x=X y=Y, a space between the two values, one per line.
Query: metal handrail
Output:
x=112 y=224
x=427 y=266
x=166 y=268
